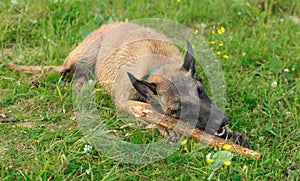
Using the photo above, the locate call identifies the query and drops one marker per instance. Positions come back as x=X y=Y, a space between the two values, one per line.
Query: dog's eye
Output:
x=199 y=79
x=175 y=113
x=200 y=89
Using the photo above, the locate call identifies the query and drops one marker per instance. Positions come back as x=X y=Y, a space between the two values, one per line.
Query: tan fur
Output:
x=34 y=69
x=117 y=48
x=91 y=41
x=114 y=45
x=113 y=50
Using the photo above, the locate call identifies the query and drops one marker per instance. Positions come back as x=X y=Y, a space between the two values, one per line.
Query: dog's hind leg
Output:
x=37 y=71
x=32 y=69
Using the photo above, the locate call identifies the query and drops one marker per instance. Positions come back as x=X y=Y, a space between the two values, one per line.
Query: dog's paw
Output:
x=240 y=139
x=35 y=79
x=171 y=136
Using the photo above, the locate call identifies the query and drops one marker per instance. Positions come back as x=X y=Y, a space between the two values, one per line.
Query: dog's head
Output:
x=177 y=92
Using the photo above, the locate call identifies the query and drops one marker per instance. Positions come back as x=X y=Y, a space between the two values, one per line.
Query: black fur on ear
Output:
x=145 y=88
x=189 y=60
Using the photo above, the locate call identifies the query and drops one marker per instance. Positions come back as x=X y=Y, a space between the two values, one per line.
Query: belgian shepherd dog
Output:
x=133 y=62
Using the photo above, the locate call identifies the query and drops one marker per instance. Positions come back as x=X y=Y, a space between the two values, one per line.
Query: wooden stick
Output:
x=143 y=111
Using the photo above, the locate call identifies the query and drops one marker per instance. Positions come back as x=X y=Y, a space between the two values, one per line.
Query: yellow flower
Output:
x=208 y=160
x=193 y=46
x=213 y=32
x=219 y=53
x=212 y=42
x=227 y=147
x=220 y=32
x=186 y=149
x=35 y=158
x=9 y=167
x=196 y=31
x=221 y=44
x=183 y=142
x=222 y=29
x=178 y=1
x=225 y=56
x=227 y=163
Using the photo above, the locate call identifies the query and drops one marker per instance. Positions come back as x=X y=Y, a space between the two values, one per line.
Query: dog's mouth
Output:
x=222 y=132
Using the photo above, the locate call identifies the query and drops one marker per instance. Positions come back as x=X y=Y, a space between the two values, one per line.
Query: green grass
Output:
x=46 y=143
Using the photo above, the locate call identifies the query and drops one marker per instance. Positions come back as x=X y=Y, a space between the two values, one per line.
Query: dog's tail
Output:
x=33 y=69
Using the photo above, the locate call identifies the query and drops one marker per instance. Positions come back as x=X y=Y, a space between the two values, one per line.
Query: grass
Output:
x=46 y=143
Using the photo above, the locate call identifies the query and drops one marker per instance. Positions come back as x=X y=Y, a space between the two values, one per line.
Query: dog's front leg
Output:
x=238 y=138
x=167 y=133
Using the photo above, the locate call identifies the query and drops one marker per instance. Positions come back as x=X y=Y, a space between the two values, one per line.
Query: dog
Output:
x=133 y=62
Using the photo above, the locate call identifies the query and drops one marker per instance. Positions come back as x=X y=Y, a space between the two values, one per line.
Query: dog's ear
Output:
x=143 y=87
x=189 y=60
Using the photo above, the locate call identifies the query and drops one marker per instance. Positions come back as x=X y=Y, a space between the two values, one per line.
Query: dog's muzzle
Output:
x=221 y=132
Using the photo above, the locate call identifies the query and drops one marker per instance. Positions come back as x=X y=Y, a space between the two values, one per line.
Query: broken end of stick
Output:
x=245 y=151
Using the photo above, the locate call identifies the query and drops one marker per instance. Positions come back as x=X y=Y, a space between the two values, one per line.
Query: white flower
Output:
x=34 y=21
x=208 y=155
x=14 y=2
x=286 y=70
x=87 y=148
x=274 y=84
x=26 y=7
x=203 y=26
x=288 y=113
x=88 y=171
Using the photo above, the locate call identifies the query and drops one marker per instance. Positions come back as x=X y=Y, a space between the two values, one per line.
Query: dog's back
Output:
x=107 y=50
